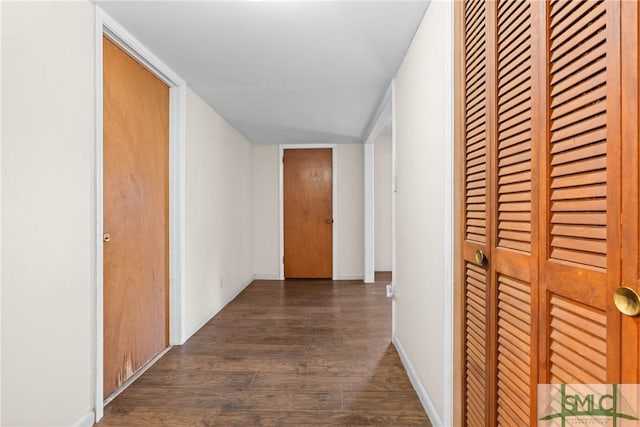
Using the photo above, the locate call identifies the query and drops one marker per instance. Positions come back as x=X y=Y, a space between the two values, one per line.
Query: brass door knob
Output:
x=627 y=301
x=106 y=237
x=480 y=257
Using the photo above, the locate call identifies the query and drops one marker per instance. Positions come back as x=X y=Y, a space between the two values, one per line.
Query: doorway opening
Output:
x=108 y=28
x=334 y=198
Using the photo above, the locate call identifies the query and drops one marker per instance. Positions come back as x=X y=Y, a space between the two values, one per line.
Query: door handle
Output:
x=330 y=221
x=106 y=237
x=627 y=301
x=480 y=258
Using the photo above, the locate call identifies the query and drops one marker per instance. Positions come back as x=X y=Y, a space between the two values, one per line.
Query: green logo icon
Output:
x=586 y=404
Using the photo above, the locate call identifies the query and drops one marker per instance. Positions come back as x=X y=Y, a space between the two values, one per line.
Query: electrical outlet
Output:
x=390 y=290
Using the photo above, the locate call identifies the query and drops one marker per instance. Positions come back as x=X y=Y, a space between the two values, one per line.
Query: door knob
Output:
x=106 y=237
x=330 y=221
x=627 y=301
x=480 y=257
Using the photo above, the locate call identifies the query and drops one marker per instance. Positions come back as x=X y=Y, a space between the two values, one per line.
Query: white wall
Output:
x=350 y=216
x=266 y=252
x=47 y=177
x=348 y=219
x=0 y=212
x=219 y=216
x=47 y=219
x=382 y=202
x=423 y=254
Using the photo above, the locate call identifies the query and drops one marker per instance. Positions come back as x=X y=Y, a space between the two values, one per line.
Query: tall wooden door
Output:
x=308 y=213
x=542 y=225
x=630 y=36
x=136 y=138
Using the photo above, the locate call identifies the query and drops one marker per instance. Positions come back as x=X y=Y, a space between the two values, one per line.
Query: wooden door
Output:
x=475 y=226
x=541 y=195
x=514 y=216
x=630 y=343
x=136 y=137
x=308 y=213
x=581 y=188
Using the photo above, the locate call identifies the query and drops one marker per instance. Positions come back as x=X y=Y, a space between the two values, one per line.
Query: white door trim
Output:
x=394 y=190
x=381 y=118
x=369 y=212
x=448 y=230
x=105 y=25
x=334 y=197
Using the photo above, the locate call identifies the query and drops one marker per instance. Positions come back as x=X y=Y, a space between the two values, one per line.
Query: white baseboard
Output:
x=354 y=277
x=86 y=421
x=266 y=277
x=383 y=269
x=426 y=401
x=218 y=308
x=276 y=277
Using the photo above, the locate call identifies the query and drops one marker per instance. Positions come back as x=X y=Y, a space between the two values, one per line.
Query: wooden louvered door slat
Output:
x=475 y=225
x=550 y=191
x=513 y=265
x=580 y=200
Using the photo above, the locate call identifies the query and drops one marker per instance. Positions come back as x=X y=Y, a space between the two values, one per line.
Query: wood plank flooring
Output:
x=291 y=353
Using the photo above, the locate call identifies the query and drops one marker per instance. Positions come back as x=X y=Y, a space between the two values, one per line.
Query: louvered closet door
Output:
x=542 y=191
x=630 y=343
x=514 y=261
x=475 y=219
x=498 y=303
x=580 y=265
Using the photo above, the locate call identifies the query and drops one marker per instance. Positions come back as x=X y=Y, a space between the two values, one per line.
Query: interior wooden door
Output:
x=581 y=195
x=542 y=194
x=630 y=35
x=475 y=221
x=514 y=216
x=308 y=213
x=136 y=138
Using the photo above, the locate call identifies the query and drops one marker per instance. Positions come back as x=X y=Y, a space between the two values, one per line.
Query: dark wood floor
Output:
x=294 y=353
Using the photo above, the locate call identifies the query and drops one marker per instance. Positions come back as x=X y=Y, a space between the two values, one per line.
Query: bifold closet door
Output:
x=543 y=224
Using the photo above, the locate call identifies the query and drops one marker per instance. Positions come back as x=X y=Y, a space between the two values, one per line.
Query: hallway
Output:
x=292 y=353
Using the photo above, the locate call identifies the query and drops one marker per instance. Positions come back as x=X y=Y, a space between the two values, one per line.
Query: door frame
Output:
x=383 y=116
x=458 y=189
x=105 y=25
x=334 y=200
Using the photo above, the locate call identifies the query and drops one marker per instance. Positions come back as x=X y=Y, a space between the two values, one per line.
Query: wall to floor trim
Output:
x=86 y=421
x=266 y=277
x=426 y=401
x=277 y=277
x=352 y=277
x=219 y=307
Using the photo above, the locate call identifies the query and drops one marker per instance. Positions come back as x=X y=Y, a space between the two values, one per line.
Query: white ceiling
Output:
x=280 y=72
